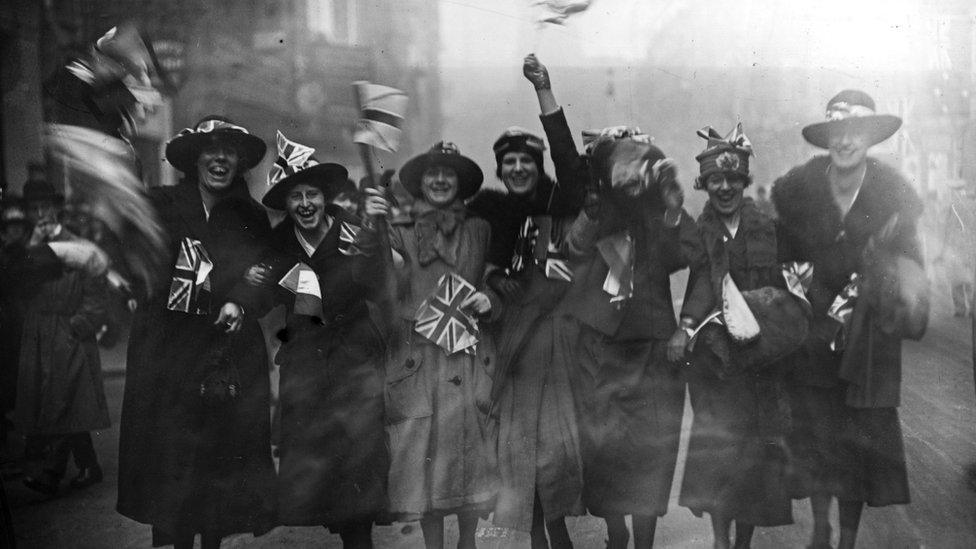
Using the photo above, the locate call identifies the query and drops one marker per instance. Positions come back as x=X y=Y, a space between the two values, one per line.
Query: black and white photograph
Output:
x=488 y=274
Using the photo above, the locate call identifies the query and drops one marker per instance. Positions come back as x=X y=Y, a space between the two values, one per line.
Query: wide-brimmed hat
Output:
x=295 y=165
x=183 y=150
x=852 y=110
x=728 y=155
x=443 y=153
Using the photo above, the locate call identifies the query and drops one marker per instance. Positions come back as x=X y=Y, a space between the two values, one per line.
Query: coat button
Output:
x=455 y=380
x=409 y=364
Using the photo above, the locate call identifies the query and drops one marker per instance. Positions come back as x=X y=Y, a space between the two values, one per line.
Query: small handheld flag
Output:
x=189 y=292
x=441 y=320
x=557 y=11
x=302 y=281
x=381 y=119
x=348 y=233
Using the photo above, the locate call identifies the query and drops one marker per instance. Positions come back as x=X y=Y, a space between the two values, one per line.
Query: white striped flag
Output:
x=441 y=320
x=302 y=281
x=348 y=233
x=381 y=116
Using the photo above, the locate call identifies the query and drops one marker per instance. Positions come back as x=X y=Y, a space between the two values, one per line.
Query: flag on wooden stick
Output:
x=189 y=291
x=381 y=116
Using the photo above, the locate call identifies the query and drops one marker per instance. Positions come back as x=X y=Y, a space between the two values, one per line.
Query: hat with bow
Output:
x=728 y=155
x=295 y=165
x=183 y=150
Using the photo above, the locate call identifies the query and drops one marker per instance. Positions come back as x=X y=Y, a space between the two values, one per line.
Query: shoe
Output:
x=45 y=483
x=86 y=477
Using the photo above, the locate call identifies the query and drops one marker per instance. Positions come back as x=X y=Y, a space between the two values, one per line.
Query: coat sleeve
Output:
x=699 y=295
x=571 y=169
x=680 y=245
x=580 y=240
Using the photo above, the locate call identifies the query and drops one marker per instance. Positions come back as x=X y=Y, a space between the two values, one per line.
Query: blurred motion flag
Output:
x=557 y=267
x=302 y=281
x=381 y=111
x=100 y=171
x=524 y=246
x=292 y=157
x=557 y=11
x=441 y=320
x=189 y=291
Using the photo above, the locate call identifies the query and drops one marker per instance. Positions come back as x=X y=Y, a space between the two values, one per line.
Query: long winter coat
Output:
x=60 y=378
x=182 y=465
x=853 y=453
x=333 y=449
x=737 y=459
x=538 y=433
x=441 y=442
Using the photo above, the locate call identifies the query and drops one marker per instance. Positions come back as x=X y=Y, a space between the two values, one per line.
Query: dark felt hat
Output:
x=852 y=110
x=443 y=153
x=728 y=155
x=183 y=150
x=516 y=139
x=296 y=165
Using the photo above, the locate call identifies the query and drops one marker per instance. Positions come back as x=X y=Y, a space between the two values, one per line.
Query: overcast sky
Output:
x=846 y=35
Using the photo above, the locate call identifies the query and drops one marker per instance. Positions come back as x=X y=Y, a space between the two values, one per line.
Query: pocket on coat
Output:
x=406 y=393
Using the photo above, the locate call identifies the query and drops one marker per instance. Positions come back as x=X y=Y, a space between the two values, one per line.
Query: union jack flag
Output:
x=441 y=320
x=557 y=267
x=292 y=157
x=189 y=292
x=524 y=246
x=347 y=239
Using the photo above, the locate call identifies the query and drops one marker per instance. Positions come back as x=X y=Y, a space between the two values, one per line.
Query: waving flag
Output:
x=557 y=267
x=292 y=157
x=381 y=116
x=347 y=239
x=441 y=320
x=189 y=292
x=557 y=11
x=524 y=245
x=302 y=281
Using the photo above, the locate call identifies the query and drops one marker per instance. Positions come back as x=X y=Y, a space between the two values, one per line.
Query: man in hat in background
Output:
x=846 y=436
x=60 y=397
x=188 y=464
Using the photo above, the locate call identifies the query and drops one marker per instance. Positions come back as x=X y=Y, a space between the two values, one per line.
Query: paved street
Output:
x=937 y=415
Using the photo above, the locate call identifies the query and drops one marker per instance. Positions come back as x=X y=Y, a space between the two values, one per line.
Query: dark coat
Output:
x=175 y=469
x=60 y=378
x=811 y=229
x=333 y=456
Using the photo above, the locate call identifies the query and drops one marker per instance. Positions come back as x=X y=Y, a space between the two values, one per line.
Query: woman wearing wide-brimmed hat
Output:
x=737 y=458
x=437 y=396
x=333 y=458
x=845 y=389
x=194 y=453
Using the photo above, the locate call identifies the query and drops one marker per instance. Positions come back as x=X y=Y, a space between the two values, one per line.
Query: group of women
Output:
x=569 y=401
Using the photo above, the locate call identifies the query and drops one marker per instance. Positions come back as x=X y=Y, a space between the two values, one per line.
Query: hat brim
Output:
x=328 y=177
x=183 y=151
x=878 y=127
x=470 y=176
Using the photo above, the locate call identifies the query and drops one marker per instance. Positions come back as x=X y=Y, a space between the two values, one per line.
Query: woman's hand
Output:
x=231 y=317
x=536 y=72
x=677 y=345
x=504 y=286
x=376 y=203
x=258 y=275
x=478 y=303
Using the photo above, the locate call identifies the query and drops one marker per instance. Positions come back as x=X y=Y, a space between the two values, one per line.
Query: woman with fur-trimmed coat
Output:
x=847 y=437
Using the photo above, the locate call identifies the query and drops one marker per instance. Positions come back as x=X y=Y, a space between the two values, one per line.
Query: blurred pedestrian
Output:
x=194 y=441
x=620 y=313
x=334 y=460
x=14 y=230
x=438 y=385
x=737 y=458
x=539 y=461
x=60 y=397
x=845 y=391
x=957 y=247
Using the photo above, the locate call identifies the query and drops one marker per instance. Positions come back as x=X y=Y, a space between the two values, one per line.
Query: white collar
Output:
x=305 y=244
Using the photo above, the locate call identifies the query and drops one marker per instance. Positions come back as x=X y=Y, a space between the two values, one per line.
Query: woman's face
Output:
x=848 y=148
x=305 y=205
x=519 y=173
x=439 y=186
x=725 y=192
x=217 y=167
